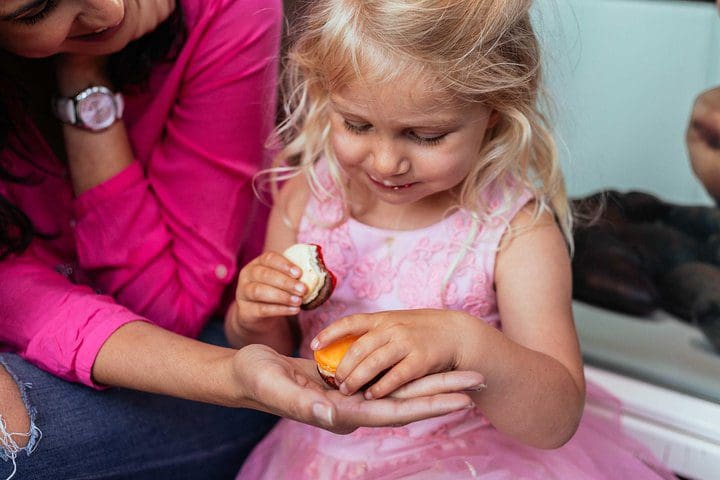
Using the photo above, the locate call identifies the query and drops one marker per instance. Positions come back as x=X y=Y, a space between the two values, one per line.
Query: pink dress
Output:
x=381 y=269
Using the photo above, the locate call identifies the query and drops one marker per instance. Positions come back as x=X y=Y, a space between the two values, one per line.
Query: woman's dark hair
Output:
x=128 y=67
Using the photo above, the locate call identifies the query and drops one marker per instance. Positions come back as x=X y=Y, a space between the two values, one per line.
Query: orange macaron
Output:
x=328 y=358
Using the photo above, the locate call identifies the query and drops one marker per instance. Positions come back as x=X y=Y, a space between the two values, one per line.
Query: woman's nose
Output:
x=99 y=14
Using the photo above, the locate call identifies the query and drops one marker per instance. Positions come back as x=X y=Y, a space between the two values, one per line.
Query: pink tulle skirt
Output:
x=457 y=446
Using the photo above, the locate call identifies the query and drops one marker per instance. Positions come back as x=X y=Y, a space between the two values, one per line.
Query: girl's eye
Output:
x=37 y=13
x=426 y=140
x=354 y=128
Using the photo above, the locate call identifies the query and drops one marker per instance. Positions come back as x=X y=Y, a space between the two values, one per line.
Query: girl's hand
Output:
x=292 y=388
x=268 y=287
x=399 y=345
x=703 y=140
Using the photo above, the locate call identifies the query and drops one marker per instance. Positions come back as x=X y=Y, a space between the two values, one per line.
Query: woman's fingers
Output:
x=355 y=411
x=290 y=387
x=445 y=382
x=284 y=386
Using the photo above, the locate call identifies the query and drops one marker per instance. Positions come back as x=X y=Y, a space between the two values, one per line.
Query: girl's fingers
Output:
x=352 y=325
x=377 y=361
x=403 y=372
x=263 y=310
x=277 y=262
x=262 y=293
x=358 y=352
x=445 y=382
x=265 y=275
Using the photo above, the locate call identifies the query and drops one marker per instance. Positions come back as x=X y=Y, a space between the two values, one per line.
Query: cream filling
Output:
x=305 y=256
x=325 y=372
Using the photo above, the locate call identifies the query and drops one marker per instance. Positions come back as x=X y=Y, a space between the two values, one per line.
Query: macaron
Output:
x=320 y=281
x=328 y=358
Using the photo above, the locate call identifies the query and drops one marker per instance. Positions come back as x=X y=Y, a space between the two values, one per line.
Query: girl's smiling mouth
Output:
x=389 y=185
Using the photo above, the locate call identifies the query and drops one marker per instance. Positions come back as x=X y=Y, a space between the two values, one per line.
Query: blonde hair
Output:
x=477 y=50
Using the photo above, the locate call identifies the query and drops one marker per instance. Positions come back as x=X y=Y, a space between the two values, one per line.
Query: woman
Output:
x=703 y=141
x=131 y=131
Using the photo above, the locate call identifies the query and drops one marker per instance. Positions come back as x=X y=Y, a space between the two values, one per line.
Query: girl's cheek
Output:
x=347 y=148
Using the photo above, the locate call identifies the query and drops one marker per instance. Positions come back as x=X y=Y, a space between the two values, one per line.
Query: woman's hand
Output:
x=292 y=388
x=703 y=140
x=400 y=345
x=143 y=356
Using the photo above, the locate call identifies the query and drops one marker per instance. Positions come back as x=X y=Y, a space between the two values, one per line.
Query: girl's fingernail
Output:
x=295 y=272
x=323 y=414
x=477 y=388
x=368 y=395
x=295 y=299
x=299 y=287
x=314 y=344
x=472 y=405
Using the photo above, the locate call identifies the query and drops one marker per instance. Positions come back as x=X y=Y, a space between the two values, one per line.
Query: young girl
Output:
x=430 y=180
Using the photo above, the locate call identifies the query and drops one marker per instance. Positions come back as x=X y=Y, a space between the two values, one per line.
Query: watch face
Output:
x=97 y=110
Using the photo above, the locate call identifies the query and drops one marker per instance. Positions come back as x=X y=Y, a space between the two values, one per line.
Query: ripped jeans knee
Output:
x=13 y=443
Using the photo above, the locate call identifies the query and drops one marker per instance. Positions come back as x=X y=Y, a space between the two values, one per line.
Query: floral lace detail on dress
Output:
x=477 y=303
x=373 y=277
x=447 y=265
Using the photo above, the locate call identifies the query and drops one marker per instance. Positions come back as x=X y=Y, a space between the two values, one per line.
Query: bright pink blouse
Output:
x=159 y=241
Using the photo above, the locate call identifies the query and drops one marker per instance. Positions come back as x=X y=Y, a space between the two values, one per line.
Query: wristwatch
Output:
x=95 y=108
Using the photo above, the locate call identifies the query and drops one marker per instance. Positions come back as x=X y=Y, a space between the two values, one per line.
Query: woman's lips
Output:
x=99 y=36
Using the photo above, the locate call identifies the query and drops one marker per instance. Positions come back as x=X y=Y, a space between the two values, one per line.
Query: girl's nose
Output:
x=99 y=14
x=389 y=161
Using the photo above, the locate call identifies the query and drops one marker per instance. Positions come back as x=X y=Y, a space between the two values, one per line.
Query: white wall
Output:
x=623 y=75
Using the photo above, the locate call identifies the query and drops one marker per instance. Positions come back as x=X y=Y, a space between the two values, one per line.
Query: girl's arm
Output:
x=269 y=293
x=533 y=368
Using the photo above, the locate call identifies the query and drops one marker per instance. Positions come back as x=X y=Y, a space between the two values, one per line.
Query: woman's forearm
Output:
x=93 y=157
x=145 y=357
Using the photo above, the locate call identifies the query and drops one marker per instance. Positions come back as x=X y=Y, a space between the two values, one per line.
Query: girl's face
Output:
x=405 y=144
x=41 y=28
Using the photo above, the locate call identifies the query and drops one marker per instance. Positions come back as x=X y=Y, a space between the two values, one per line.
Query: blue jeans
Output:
x=125 y=434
